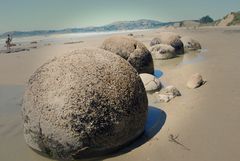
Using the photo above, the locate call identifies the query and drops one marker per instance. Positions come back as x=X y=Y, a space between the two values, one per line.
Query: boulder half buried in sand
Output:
x=151 y=83
x=83 y=104
x=169 y=38
x=190 y=44
x=163 y=51
x=131 y=50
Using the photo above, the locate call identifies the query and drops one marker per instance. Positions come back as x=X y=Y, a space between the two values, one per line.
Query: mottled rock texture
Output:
x=169 y=38
x=163 y=51
x=131 y=50
x=87 y=103
x=190 y=43
x=168 y=93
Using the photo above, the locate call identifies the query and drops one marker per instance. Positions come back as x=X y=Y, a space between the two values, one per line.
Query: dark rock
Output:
x=168 y=93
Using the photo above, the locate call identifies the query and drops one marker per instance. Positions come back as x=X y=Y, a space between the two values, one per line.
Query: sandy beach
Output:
x=204 y=121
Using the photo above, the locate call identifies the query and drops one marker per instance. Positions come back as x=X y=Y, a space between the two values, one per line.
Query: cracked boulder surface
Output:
x=151 y=83
x=131 y=50
x=87 y=103
x=169 y=38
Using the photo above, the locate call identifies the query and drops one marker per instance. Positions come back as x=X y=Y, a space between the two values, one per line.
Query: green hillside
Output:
x=236 y=19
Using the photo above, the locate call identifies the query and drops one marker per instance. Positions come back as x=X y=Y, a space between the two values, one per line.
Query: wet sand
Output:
x=206 y=120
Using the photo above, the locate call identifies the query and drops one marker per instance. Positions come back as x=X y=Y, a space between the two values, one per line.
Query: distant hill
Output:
x=190 y=23
x=204 y=21
x=231 y=19
x=116 y=26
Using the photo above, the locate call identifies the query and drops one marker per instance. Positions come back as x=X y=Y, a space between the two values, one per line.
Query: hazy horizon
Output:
x=28 y=15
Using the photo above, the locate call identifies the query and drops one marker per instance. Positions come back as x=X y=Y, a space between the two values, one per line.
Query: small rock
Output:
x=155 y=41
x=168 y=93
x=33 y=42
x=171 y=90
x=195 y=81
x=151 y=83
x=130 y=34
x=164 y=98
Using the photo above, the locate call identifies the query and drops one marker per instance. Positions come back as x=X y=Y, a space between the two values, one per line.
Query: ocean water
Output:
x=61 y=38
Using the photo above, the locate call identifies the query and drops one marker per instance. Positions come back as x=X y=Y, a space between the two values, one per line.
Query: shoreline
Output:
x=54 y=37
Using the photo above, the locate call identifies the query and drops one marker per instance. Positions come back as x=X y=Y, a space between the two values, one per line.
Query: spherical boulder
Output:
x=84 y=104
x=169 y=38
x=190 y=43
x=163 y=51
x=131 y=50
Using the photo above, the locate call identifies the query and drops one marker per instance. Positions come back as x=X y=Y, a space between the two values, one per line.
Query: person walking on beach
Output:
x=8 y=42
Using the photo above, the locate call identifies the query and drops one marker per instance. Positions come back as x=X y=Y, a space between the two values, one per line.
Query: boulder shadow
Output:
x=158 y=73
x=155 y=120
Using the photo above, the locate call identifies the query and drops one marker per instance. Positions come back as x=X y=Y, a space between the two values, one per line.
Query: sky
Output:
x=26 y=15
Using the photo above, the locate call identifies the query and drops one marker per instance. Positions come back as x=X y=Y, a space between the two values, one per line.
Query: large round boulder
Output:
x=87 y=103
x=163 y=51
x=169 y=38
x=131 y=50
x=190 y=43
